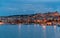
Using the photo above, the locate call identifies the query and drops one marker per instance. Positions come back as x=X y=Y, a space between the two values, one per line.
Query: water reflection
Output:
x=54 y=27
x=19 y=30
x=44 y=31
x=34 y=25
x=35 y=31
x=55 y=30
x=58 y=32
x=19 y=26
x=31 y=31
x=28 y=28
x=44 y=27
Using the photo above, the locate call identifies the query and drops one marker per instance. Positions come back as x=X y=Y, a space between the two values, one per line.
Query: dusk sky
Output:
x=13 y=7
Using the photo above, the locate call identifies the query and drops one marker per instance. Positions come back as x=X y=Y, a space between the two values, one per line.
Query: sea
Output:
x=29 y=31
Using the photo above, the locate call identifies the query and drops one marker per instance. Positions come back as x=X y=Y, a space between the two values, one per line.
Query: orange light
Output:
x=49 y=23
x=38 y=20
x=44 y=20
x=1 y=23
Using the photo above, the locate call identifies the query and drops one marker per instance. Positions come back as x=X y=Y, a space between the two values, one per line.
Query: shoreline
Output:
x=50 y=18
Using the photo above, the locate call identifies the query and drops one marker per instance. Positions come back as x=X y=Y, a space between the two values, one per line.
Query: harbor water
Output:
x=29 y=31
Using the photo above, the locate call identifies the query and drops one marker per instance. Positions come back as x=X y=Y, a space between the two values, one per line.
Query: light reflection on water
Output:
x=29 y=31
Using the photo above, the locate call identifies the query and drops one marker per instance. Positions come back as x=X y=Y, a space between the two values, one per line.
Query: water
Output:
x=29 y=31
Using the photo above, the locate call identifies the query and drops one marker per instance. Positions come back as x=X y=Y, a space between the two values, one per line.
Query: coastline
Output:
x=50 y=18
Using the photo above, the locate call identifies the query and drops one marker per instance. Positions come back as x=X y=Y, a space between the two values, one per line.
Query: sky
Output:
x=18 y=7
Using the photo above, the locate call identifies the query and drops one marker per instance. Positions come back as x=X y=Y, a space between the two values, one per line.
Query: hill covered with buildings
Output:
x=50 y=18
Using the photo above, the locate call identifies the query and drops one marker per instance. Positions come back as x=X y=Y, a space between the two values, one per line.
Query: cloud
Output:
x=48 y=0
x=30 y=0
x=42 y=0
x=13 y=7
